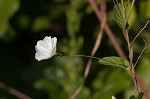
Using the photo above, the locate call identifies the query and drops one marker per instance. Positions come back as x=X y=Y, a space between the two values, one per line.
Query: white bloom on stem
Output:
x=45 y=48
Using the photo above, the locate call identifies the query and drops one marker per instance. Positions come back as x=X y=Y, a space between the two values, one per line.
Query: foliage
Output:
x=115 y=61
x=118 y=15
x=74 y=23
x=140 y=96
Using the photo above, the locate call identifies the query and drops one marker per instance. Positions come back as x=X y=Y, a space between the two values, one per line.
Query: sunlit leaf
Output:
x=115 y=61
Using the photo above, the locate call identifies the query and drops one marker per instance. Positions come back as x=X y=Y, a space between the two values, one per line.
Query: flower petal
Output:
x=45 y=48
x=54 y=41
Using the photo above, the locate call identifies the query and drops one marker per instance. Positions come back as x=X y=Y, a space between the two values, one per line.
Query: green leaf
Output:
x=118 y=15
x=115 y=61
x=140 y=95
x=133 y=97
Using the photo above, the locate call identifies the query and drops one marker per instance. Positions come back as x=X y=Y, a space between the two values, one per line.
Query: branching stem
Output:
x=140 y=32
x=132 y=69
x=141 y=53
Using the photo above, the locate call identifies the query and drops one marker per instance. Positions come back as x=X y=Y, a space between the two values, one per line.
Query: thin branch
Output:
x=143 y=86
x=96 y=10
x=112 y=37
x=140 y=32
x=132 y=69
x=87 y=69
x=13 y=91
x=96 y=46
x=123 y=8
x=86 y=56
x=108 y=30
x=127 y=4
x=141 y=53
x=122 y=3
x=129 y=46
x=99 y=38
x=78 y=90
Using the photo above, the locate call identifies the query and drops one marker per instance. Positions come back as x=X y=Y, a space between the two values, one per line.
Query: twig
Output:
x=140 y=32
x=113 y=39
x=78 y=90
x=143 y=86
x=13 y=91
x=124 y=11
x=108 y=30
x=86 y=56
x=141 y=53
x=88 y=66
x=127 y=4
x=99 y=38
x=130 y=49
x=132 y=69
x=96 y=46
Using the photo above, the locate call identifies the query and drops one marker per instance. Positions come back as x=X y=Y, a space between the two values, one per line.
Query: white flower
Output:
x=113 y=97
x=45 y=48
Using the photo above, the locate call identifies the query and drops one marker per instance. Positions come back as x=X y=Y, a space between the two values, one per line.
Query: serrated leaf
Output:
x=115 y=61
x=140 y=95
x=118 y=16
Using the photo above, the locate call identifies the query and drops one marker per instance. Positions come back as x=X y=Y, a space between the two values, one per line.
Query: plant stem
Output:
x=132 y=69
x=85 y=56
x=140 y=32
x=126 y=35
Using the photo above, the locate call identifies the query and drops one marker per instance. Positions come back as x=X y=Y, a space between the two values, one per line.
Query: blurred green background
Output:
x=74 y=23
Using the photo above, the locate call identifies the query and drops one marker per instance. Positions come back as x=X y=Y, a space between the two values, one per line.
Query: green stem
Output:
x=59 y=53
x=85 y=56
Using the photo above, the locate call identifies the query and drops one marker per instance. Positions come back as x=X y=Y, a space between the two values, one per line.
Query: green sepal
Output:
x=58 y=53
